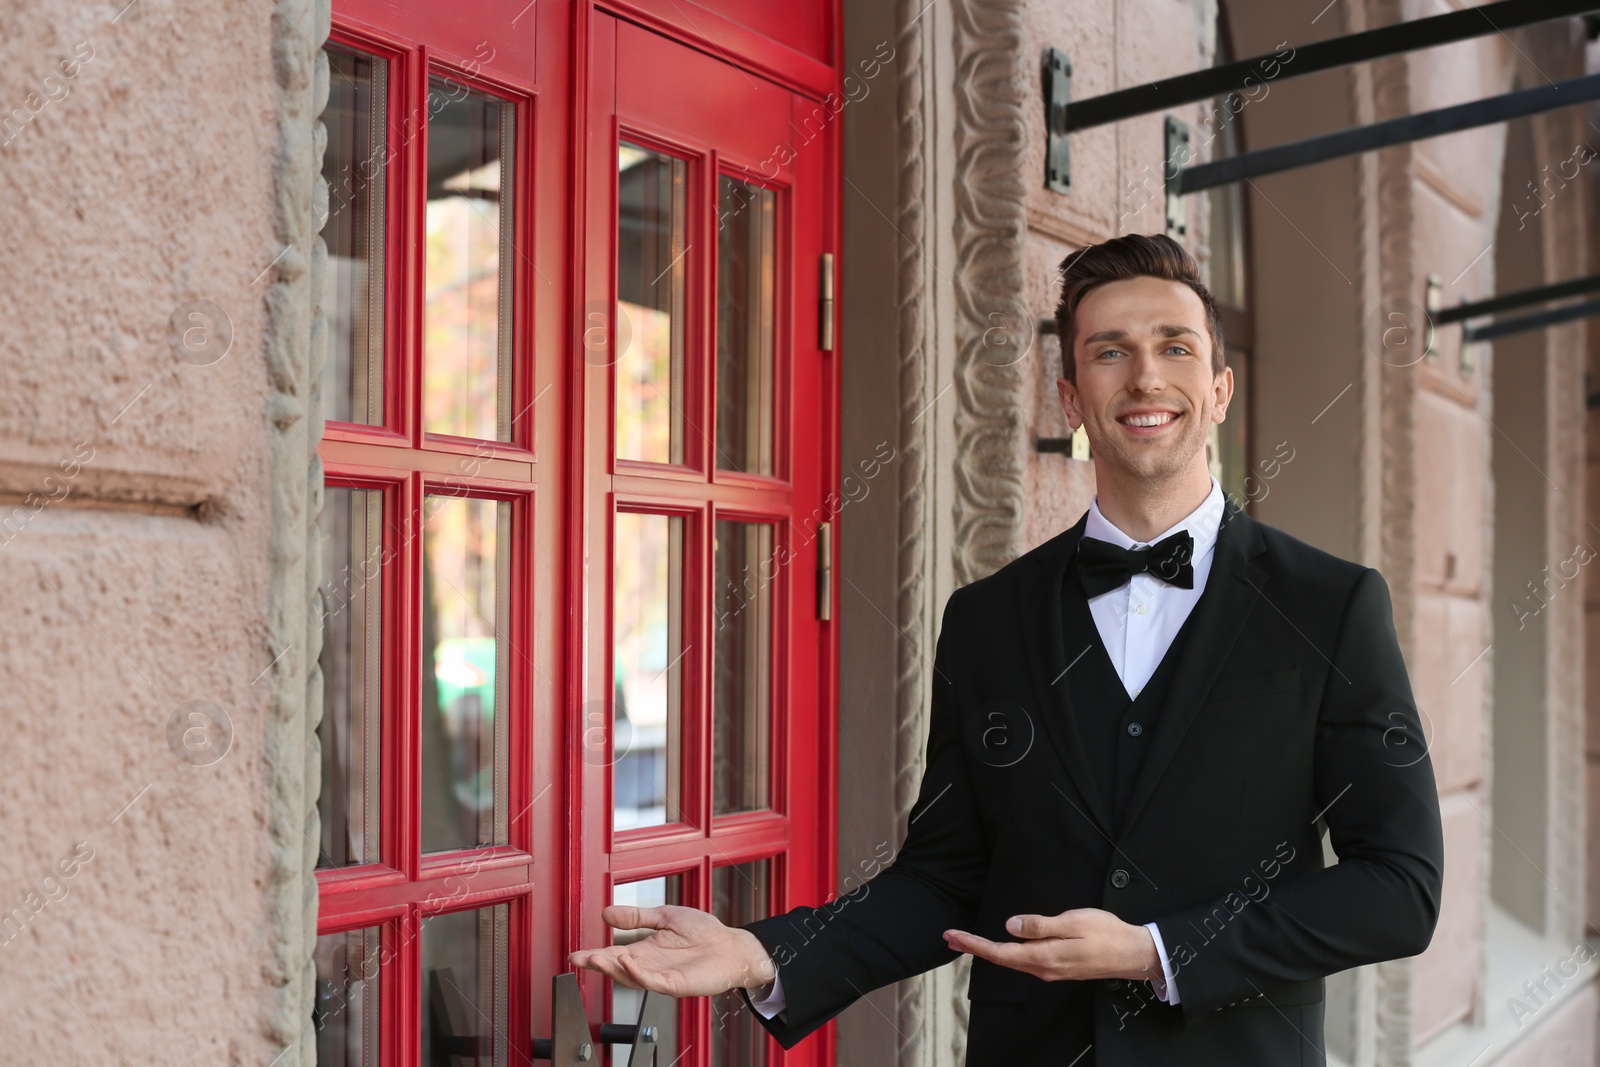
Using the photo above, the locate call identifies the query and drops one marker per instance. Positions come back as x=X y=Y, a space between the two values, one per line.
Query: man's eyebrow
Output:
x=1164 y=330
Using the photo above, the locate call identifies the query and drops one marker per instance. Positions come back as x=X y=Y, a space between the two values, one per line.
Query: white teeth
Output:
x=1149 y=420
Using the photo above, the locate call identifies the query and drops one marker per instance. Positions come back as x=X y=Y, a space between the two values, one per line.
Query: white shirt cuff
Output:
x=773 y=1002
x=1166 y=986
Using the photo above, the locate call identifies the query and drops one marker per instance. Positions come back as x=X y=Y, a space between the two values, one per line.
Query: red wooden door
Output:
x=706 y=432
x=577 y=460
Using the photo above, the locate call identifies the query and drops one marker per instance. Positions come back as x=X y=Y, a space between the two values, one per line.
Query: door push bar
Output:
x=571 y=1044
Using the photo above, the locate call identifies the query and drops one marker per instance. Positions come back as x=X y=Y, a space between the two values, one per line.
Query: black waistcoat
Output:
x=1116 y=730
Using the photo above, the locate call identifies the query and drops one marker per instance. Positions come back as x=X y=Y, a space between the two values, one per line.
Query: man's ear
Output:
x=1222 y=394
x=1067 y=394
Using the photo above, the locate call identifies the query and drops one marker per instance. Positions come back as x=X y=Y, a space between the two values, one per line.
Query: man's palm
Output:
x=690 y=954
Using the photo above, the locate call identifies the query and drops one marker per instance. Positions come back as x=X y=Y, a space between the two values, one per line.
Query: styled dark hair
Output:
x=1133 y=255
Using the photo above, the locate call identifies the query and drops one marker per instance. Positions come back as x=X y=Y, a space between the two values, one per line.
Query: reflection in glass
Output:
x=345 y=1013
x=464 y=995
x=738 y=896
x=466 y=578
x=648 y=342
x=350 y=733
x=625 y=1002
x=740 y=684
x=468 y=274
x=647 y=653
x=746 y=271
x=353 y=166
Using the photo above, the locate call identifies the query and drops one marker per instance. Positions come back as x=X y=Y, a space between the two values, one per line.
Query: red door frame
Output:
x=558 y=867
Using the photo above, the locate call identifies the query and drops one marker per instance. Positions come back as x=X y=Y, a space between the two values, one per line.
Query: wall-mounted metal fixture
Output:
x=1175 y=157
x=1057 y=80
x=1062 y=119
x=1472 y=332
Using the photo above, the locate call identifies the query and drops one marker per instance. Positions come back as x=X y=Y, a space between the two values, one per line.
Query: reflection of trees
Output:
x=462 y=317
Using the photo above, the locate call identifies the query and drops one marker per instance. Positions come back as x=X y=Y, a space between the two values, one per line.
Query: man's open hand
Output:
x=1079 y=944
x=691 y=953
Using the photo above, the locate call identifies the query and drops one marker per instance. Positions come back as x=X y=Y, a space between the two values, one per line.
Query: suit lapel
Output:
x=1045 y=638
x=1232 y=589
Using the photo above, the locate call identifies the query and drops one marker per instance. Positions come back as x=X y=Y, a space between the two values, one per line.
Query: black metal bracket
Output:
x=1403 y=130
x=1538 y=320
x=1385 y=41
x=1057 y=81
x=1289 y=61
x=571 y=1044
x=1519 y=299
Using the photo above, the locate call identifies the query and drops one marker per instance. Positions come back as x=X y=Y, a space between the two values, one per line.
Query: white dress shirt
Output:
x=1137 y=623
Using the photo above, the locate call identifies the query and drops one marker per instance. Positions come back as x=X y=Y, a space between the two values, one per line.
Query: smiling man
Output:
x=1140 y=732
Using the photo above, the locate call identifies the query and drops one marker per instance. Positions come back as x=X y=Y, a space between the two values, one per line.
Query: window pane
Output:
x=738 y=896
x=468 y=276
x=345 y=1015
x=625 y=1002
x=647 y=638
x=464 y=994
x=746 y=272
x=648 y=341
x=742 y=666
x=466 y=578
x=354 y=168
x=350 y=733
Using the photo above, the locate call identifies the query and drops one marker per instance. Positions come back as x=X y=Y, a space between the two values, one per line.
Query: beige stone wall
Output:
x=135 y=471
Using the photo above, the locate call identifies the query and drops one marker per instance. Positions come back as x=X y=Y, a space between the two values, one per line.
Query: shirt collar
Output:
x=1202 y=523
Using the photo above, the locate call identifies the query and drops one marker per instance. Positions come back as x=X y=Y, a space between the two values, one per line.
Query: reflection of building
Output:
x=483 y=482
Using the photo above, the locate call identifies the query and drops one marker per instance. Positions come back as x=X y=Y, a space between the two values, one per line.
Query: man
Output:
x=1140 y=731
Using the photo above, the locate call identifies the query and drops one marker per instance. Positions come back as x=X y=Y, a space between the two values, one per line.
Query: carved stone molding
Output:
x=1390 y=392
x=911 y=558
x=296 y=350
x=990 y=226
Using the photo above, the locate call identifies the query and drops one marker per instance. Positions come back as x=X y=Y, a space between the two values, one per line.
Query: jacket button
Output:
x=1119 y=878
x=1134 y=729
x=1113 y=983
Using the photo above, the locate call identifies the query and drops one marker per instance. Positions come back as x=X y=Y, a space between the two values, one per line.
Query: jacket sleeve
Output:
x=890 y=927
x=1373 y=782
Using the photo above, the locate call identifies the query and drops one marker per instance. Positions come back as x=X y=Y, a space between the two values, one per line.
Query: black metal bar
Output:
x=1537 y=321
x=1521 y=298
x=1319 y=55
x=1383 y=134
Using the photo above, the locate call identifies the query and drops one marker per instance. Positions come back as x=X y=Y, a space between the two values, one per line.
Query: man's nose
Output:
x=1147 y=374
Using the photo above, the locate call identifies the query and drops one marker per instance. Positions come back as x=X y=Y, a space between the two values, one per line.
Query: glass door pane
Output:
x=468 y=273
x=647 y=651
x=742 y=666
x=350 y=733
x=648 y=338
x=625 y=1002
x=346 y=1013
x=746 y=282
x=738 y=896
x=354 y=167
x=464 y=994
x=465 y=615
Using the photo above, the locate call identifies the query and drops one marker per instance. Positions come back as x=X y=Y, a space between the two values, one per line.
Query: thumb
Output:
x=1028 y=925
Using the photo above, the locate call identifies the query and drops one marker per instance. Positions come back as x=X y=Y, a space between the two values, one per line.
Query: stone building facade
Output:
x=161 y=490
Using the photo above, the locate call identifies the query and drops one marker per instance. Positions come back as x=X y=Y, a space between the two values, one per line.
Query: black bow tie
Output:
x=1104 y=566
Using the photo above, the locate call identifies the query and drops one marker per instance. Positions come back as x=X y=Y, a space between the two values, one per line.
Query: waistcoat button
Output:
x=1134 y=729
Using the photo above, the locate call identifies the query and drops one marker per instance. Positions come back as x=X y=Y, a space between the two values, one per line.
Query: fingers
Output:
x=1078 y=922
x=608 y=961
x=629 y=917
x=993 y=951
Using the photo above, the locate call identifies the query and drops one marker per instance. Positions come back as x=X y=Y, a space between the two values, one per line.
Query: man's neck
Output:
x=1142 y=508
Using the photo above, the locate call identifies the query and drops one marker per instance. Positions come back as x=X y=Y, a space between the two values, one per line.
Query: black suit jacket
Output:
x=1290 y=715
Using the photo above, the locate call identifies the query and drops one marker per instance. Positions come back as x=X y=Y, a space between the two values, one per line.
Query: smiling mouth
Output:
x=1149 y=421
